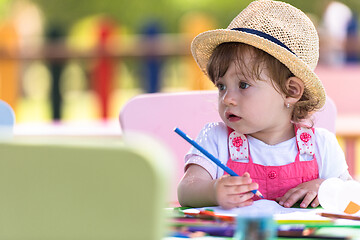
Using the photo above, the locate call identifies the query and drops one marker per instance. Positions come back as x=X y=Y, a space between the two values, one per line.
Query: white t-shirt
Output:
x=214 y=138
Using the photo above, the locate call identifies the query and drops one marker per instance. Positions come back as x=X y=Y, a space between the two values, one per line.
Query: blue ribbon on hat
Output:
x=264 y=35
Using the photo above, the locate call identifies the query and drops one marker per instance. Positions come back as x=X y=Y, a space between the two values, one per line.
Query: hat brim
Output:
x=204 y=44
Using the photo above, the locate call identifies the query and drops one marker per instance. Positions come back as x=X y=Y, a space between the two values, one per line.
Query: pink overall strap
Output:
x=305 y=140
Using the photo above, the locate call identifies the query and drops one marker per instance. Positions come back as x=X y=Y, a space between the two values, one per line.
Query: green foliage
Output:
x=134 y=13
x=4 y=8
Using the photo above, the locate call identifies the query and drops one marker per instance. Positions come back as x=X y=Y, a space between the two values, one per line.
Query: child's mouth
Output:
x=232 y=117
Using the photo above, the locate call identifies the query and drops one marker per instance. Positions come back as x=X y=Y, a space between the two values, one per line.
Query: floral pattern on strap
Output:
x=305 y=140
x=238 y=146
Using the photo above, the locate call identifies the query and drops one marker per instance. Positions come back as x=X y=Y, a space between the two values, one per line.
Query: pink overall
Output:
x=274 y=181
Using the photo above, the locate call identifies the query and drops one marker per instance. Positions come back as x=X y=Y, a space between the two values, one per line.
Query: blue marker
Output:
x=211 y=157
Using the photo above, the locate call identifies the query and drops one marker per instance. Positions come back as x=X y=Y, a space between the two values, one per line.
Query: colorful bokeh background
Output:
x=81 y=61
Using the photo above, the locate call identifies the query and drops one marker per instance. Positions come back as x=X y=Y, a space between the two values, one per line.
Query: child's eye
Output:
x=244 y=85
x=220 y=86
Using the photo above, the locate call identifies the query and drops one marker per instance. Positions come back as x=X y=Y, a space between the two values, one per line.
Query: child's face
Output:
x=251 y=106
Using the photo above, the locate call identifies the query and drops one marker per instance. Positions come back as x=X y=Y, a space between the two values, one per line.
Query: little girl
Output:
x=263 y=66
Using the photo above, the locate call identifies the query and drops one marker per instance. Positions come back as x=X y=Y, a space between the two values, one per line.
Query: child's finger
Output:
x=295 y=197
x=238 y=204
x=231 y=181
x=309 y=197
x=246 y=203
x=291 y=197
x=244 y=188
x=285 y=197
x=224 y=176
x=239 y=198
x=315 y=202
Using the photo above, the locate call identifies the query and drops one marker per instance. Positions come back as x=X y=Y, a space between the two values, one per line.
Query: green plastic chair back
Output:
x=82 y=191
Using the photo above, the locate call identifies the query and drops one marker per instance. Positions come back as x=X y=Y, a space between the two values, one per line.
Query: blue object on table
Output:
x=255 y=227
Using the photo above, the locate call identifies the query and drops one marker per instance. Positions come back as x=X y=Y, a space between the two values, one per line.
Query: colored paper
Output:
x=352 y=208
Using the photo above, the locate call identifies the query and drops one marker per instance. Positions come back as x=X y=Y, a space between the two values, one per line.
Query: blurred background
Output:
x=79 y=61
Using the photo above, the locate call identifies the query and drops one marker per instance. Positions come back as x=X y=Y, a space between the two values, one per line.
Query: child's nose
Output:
x=229 y=98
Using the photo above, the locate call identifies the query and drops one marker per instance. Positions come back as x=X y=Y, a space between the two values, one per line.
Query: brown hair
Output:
x=226 y=53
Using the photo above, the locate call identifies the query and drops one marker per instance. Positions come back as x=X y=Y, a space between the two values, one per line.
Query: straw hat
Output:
x=277 y=28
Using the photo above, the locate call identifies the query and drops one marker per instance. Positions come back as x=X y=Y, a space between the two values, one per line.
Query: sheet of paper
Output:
x=260 y=207
x=265 y=207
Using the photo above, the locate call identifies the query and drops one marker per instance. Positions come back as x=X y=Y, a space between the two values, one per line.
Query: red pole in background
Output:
x=104 y=67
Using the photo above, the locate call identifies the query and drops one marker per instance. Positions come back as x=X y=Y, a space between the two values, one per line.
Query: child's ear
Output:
x=295 y=87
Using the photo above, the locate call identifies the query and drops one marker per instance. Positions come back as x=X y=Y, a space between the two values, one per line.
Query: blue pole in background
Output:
x=152 y=64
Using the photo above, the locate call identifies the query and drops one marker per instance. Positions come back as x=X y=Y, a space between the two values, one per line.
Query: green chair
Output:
x=83 y=190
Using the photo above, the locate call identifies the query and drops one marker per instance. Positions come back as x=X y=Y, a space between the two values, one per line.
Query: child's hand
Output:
x=234 y=192
x=307 y=191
